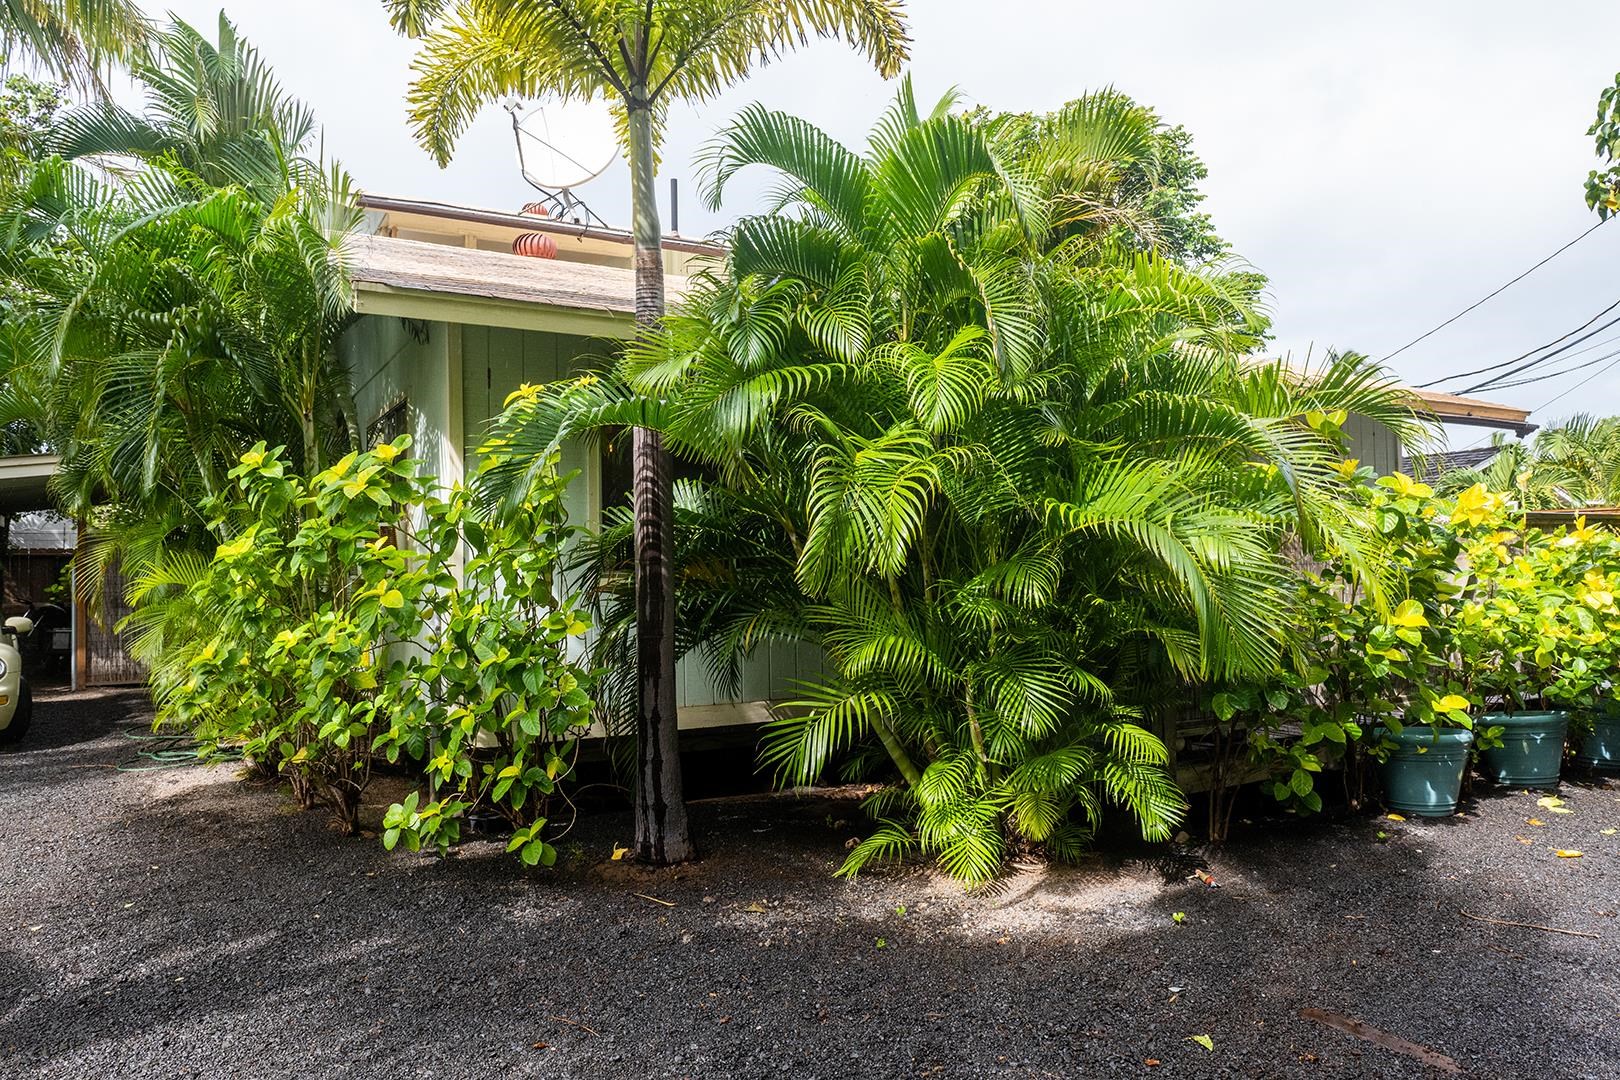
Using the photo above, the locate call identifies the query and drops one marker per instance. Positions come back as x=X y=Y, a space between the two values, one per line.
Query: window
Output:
x=389 y=426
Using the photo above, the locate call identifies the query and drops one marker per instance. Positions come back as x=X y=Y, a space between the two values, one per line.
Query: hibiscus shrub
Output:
x=357 y=614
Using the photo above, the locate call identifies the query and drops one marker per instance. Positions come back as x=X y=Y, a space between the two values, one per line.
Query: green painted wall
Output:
x=495 y=362
x=1373 y=444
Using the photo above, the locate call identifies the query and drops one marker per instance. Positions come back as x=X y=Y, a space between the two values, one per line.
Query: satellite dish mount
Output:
x=560 y=149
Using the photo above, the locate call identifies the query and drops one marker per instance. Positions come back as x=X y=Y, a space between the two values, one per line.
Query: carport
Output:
x=99 y=657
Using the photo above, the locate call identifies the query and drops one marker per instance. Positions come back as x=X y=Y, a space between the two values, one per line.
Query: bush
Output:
x=328 y=631
x=1490 y=616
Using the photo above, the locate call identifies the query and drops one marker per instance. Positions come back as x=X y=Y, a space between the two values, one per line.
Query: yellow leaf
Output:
x=1409 y=614
x=1608 y=832
x=1452 y=703
x=386 y=451
x=619 y=852
x=393 y=598
x=1202 y=1040
x=1566 y=853
x=1537 y=822
x=1395 y=817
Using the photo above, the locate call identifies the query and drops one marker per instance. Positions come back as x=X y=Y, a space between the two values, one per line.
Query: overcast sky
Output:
x=1386 y=166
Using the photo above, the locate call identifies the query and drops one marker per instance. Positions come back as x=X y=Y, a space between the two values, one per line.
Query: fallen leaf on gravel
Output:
x=1566 y=853
x=1152 y=1063
x=1553 y=803
x=1180 y=916
x=540 y=1045
x=756 y=908
x=36 y=929
x=619 y=852
x=1537 y=822
x=1395 y=817
x=1524 y=839
x=1608 y=832
x=1202 y=1040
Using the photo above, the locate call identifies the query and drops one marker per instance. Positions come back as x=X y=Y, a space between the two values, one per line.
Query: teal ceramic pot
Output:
x=1424 y=773
x=1601 y=748
x=1532 y=750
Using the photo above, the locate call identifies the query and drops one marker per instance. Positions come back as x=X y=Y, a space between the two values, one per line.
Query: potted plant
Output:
x=1533 y=639
x=1600 y=734
x=1425 y=737
x=1424 y=752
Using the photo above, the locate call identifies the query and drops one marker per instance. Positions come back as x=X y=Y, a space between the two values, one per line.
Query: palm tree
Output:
x=212 y=108
x=640 y=55
x=1569 y=465
x=164 y=317
x=75 y=39
x=1013 y=480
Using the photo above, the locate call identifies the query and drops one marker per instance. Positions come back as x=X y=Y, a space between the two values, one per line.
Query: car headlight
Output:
x=3 y=668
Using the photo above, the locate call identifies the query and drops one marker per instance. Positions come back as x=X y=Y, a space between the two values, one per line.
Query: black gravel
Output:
x=183 y=924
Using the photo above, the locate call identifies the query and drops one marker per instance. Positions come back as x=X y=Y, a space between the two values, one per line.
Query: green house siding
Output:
x=495 y=362
x=396 y=360
x=1373 y=444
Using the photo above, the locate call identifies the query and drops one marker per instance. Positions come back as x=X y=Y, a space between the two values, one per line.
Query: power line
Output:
x=1523 y=355
x=1577 y=386
x=1558 y=374
x=1560 y=396
x=1543 y=358
x=1497 y=292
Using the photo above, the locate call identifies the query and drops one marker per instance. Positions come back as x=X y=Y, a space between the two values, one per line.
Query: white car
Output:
x=16 y=703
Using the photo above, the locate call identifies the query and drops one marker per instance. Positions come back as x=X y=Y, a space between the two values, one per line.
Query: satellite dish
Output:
x=561 y=147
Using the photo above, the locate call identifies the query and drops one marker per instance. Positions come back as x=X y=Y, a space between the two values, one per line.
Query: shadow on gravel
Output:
x=194 y=925
x=63 y=719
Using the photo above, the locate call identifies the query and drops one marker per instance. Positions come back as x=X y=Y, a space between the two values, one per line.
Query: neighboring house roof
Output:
x=1433 y=466
x=1551 y=519
x=414 y=279
x=1475 y=412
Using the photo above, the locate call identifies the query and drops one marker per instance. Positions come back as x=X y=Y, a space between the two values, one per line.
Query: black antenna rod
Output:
x=674 y=205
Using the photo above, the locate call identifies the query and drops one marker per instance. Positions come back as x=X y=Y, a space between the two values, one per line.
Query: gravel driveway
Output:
x=182 y=924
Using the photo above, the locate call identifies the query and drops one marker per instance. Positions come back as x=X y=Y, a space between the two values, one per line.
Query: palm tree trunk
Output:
x=662 y=836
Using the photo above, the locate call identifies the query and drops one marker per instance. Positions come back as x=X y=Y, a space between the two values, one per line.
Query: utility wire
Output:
x=1542 y=359
x=1582 y=366
x=1559 y=396
x=1577 y=386
x=1523 y=355
x=1497 y=292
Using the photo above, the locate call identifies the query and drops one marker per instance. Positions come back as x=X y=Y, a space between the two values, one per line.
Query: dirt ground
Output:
x=180 y=923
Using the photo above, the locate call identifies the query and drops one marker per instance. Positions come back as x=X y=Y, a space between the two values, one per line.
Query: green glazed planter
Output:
x=1532 y=750
x=1601 y=748
x=1424 y=773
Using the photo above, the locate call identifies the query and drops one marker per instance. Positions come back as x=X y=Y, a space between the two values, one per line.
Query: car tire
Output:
x=20 y=719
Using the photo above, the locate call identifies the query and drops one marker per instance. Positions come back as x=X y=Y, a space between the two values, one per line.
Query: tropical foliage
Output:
x=75 y=39
x=165 y=317
x=1495 y=618
x=1009 y=476
x=332 y=628
x=639 y=55
x=1603 y=183
x=1571 y=465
